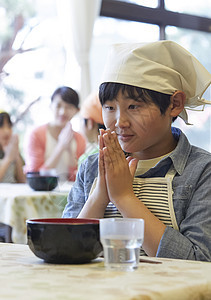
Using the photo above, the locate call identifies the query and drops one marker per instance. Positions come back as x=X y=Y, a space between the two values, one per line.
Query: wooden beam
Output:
x=160 y=16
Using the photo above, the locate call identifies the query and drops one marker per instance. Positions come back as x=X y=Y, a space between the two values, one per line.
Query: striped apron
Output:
x=156 y=194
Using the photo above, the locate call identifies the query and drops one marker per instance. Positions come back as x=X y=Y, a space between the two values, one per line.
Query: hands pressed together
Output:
x=66 y=136
x=64 y=143
x=12 y=154
x=11 y=150
x=115 y=171
x=115 y=177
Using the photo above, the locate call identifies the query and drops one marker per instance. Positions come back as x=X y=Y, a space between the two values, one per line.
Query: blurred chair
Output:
x=5 y=233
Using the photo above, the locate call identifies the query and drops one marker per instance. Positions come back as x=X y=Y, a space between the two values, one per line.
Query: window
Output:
x=193 y=7
x=195 y=41
x=109 y=31
x=148 y=3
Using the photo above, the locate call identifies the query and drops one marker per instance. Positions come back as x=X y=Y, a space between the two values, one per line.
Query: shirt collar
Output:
x=182 y=150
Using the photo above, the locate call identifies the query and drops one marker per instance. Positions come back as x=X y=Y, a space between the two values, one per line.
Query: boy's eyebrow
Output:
x=137 y=99
x=126 y=97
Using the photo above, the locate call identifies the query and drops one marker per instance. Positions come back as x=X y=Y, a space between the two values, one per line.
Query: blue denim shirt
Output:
x=191 y=199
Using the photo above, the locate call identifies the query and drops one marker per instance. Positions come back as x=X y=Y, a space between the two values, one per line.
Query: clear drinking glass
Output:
x=121 y=239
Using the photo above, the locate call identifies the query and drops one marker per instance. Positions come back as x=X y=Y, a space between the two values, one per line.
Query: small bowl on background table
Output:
x=41 y=182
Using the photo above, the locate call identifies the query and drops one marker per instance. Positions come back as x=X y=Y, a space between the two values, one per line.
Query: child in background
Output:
x=91 y=112
x=55 y=145
x=165 y=180
x=11 y=163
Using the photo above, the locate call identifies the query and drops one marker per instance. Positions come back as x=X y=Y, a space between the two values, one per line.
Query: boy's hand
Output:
x=97 y=202
x=119 y=171
x=101 y=187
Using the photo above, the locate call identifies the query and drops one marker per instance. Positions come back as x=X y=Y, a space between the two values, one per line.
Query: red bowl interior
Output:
x=64 y=221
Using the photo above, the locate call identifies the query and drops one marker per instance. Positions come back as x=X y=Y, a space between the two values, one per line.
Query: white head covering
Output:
x=162 y=66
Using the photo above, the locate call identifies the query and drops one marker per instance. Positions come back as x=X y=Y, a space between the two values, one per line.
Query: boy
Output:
x=164 y=180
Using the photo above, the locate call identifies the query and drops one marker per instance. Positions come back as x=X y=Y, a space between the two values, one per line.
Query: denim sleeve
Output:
x=79 y=192
x=193 y=240
x=76 y=197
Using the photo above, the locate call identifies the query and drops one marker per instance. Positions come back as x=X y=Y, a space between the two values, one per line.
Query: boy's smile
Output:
x=125 y=137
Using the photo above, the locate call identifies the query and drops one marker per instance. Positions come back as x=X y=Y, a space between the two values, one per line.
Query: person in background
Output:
x=165 y=180
x=91 y=112
x=55 y=145
x=11 y=162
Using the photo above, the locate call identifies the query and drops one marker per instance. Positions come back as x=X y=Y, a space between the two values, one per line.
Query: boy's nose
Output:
x=122 y=120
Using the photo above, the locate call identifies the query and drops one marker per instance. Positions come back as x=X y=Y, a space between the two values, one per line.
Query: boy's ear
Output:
x=178 y=102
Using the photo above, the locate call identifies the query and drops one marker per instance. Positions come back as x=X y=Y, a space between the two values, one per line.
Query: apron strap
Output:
x=171 y=173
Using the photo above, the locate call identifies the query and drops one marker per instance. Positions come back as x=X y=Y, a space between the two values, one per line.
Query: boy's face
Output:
x=140 y=126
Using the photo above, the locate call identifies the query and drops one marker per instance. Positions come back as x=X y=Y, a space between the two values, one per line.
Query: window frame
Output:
x=158 y=16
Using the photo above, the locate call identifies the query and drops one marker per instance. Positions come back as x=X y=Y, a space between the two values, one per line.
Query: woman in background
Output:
x=11 y=162
x=55 y=145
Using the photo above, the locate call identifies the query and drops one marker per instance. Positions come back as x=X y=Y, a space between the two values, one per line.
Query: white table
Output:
x=24 y=276
x=18 y=202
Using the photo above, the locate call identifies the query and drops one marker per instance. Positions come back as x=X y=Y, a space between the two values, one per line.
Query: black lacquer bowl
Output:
x=64 y=241
x=41 y=183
